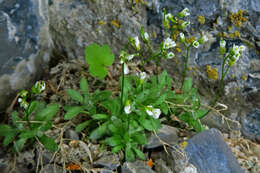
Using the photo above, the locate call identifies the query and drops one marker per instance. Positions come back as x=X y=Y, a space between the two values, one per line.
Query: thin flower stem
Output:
x=185 y=65
x=122 y=86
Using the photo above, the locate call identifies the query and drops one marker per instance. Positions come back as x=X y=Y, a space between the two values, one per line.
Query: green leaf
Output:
x=72 y=112
x=5 y=129
x=129 y=154
x=75 y=95
x=112 y=105
x=187 y=85
x=100 y=116
x=164 y=108
x=18 y=145
x=48 y=143
x=82 y=126
x=84 y=85
x=186 y=117
x=101 y=95
x=98 y=58
x=114 y=140
x=47 y=113
x=140 y=138
x=156 y=124
x=16 y=118
x=201 y=113
x=28 y=134
x=32 y=107
x=99 y=131
x=139 y=153
x=117 y=148
x=147 y=125
x=197 y=126
x=45 y=126
x=9 y=138
x=160 y=100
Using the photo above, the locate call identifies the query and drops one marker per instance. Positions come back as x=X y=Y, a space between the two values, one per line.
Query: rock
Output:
x=160 y=166
x=167 y=134
x=71 y=134
x=25 y=45
x=75 y=24
x=251 y=125
x=136 y=167
x=25 y=162
x=110 y=162
x=52 y=168
x=208 y=152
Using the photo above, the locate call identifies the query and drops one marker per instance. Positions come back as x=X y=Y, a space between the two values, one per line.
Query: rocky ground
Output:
x=175 y=148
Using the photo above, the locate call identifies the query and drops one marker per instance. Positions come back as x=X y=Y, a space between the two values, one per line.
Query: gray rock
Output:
x=251 y=125
x=52 y=168
x=208 y=152
x=110 y=162
x=136 y=167
x=71 y=134
x=167 y=134
x=25 y=45
x=160 y=166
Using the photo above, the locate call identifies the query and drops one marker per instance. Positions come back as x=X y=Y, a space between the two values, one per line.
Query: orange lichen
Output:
x=237 y=34
x=115 y=23
x=73 y=167
x=237 y=18
x=101 y=22
x=244 y=77
x=150 y=163
x=177 y=49
x=212 y=72
x=201 y=19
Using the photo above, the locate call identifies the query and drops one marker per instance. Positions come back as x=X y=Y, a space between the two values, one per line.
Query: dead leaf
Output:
x=150 y=163
x=73 y=167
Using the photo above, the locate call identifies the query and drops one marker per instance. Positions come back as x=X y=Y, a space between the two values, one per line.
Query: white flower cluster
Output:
x=124 y=57
x=234 y=52
x=154 y=112
x=40 y=86
x=23 y=103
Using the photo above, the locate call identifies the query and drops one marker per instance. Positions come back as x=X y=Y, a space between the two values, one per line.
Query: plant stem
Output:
x=122 y=86
x=185 y=65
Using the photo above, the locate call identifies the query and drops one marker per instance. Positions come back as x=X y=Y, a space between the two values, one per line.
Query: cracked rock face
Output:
x=25 y=44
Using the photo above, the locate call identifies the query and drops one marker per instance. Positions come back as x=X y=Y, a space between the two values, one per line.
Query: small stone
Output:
x=52 y=168
x=136 y=167
x=167 y=134
x=71 y=134
x=160 y=166
x=110 y=162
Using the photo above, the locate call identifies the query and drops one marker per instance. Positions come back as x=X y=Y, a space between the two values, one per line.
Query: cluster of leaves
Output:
x=33 y=124
x=187 y=106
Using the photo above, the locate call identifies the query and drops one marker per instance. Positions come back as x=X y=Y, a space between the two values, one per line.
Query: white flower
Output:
x=20 y=100
x=42 y=86
x=126 y=69
x=25 y=105
x=182 y=36
x=170 y=55
x=168 y=16
x=153 y=112
x=185 y=24
x=128 y=109
x=222 y=43
x=130 y=57
x=146 y=36
x=142 y=75
x=205 y=38
x=195 y=44
x=185 y=12
x=137 y=43
x=168 y=43
x=236 y=49
x=242 y=48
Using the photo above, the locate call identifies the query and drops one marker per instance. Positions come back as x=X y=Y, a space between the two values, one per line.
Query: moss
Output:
x=212 y=72
x=154 y=35
x=201 y=19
